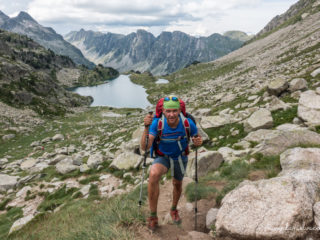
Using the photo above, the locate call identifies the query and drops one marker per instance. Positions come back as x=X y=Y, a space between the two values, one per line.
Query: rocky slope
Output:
x=141 y=51
x=45 y=36
x=33 y=77
x=295 y=13
x=258 y=170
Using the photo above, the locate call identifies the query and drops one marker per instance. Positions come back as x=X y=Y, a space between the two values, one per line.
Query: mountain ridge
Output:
x=24 y=24
x=142 y=51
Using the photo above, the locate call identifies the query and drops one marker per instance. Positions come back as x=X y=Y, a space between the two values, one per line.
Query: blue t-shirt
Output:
x=169 y=144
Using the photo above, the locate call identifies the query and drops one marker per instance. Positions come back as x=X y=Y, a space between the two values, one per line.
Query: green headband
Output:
x=171 y=104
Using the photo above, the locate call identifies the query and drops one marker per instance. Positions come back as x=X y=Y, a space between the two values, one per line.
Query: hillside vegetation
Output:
x=257 y=109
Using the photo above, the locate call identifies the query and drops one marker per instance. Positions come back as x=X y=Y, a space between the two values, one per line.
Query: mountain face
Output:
x=295 y=13
x=143 y=52
x=34 y=77
x=45 y=36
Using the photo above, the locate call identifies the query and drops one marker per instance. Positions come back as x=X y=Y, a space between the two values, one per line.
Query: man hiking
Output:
x=171 y=152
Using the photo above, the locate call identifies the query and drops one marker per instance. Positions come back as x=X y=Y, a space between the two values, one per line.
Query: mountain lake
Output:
x=119 y=93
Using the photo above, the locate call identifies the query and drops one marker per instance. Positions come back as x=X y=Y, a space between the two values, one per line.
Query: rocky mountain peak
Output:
x=24 y=16
x=3 y=17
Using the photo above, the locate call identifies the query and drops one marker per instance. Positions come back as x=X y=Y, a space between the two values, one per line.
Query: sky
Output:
x=194 y=17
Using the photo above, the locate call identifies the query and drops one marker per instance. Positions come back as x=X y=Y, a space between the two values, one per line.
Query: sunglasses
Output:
x=172 y=98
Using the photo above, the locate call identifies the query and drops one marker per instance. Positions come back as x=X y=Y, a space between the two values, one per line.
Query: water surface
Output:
x=118 y=93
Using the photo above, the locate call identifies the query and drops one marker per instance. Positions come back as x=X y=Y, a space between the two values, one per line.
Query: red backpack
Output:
x=184 y=117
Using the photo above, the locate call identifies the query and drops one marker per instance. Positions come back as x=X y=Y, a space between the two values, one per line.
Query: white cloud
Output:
x=196 y=17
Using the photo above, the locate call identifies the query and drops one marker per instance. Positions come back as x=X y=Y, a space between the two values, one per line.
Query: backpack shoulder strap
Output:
x=186 y=126
x=160 y=126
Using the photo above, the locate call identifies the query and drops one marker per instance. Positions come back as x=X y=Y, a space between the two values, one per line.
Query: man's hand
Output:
x=197 y=140
x=148 y=120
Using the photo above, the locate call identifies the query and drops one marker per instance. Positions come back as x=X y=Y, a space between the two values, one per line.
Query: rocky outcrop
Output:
x=256 y=210
x=126 y=161
x=7 y=182
x=309 y=108
x=207 y=161
x=274 y=142
x=258 y=120
x=276 y=87
x=17 y=225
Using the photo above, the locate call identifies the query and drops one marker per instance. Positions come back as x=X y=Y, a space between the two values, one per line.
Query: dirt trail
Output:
x=168 y=230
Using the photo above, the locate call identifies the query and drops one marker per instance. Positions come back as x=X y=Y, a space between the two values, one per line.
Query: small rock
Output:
x=189 y=207
x=58 y=137
x=17 y=225
x=211 y=217
x=46 y=140
x=35 y=144
x=94 y=160
x=8 y=137
x=84 y=168
x=85 y=190
x=167 y=219
x=3 y=161
x=23 y=191
x=315 y=72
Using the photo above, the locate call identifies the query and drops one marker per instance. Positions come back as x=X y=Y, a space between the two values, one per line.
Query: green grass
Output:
x=4 y=203
x=225 y=131
x=231 y=175
x=294 y=53
x=7 y=219
x=115 y=218
x=203 y=191
x=284 y=116
x=54 y=200
x=89 y=179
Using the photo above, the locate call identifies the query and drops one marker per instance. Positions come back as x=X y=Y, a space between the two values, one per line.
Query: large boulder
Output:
x=213 y=121
x=315 y=72
x=309 y=108
x=258 y=120
x=95 y=160
x=207 y=161
x=278 y=86
x=297 y=84
x=7 y=182
x=17 y=225
x=29 y=163
x=126 y=160
x=277 y=104
x=66 y=166
x=274 y=142
x=265 y=209
x=203 y=134
x=229 y=154
x=277 y=208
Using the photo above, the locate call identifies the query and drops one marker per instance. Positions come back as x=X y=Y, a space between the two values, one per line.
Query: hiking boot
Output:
x=175 y=216
x=152 y=223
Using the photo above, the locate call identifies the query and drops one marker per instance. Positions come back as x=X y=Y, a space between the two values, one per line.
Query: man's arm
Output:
x=143 y=139
x=196 y=138
x=147 y=122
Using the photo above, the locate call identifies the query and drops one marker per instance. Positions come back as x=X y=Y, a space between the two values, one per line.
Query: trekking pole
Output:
x=144 y=165
x=196 y=191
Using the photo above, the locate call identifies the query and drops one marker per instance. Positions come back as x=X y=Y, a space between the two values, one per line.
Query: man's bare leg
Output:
x=177 y=190
x=156 y=171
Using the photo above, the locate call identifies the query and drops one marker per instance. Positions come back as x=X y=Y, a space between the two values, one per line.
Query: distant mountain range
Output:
x=45 y=36
x=143 y=51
